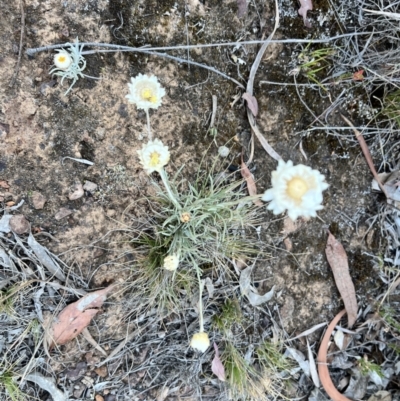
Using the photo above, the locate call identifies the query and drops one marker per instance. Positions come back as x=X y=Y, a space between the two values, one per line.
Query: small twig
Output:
x=367 y=154
x=21 y=40
x=249 y=89
x=33 y=51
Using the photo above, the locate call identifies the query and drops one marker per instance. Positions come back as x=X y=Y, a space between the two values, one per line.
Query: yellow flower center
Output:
x=62 y=59
x=296 y=188
x=147 y=94
x=154 y=159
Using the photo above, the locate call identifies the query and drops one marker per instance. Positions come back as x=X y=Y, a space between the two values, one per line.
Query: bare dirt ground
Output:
x=41 y=127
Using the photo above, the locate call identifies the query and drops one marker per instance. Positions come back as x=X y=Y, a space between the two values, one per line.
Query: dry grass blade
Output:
x=337 y=259
x=249 y=92
x=252 y=103
x=323 y=371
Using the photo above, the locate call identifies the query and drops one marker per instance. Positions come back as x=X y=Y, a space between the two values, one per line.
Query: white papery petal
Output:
x=297 y=189
x=145 y=92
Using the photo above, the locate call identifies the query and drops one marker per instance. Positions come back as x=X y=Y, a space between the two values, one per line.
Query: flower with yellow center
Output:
x=171 y=262
x=297 y=189
x=62 y=60
x=146 y=92
x=154 y=156
x=200 y=341
x=185 y=217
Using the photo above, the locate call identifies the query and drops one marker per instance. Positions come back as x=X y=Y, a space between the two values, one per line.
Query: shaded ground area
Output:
x=42 y=129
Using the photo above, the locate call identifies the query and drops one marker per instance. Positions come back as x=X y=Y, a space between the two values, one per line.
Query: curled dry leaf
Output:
x=247 y=289
x=252 y=103
x=47 y=384
x=337 y=259
x=251 y=184
x=216 y=365
x=323 y=371
x=306 y=5
x=76 y=316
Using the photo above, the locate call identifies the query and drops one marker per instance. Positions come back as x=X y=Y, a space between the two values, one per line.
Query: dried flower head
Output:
x=171 y=262
x=146 y=92
x=154 y=156
x=200 y=341
x=297 y=189
x=185 y=217
x=223 y=151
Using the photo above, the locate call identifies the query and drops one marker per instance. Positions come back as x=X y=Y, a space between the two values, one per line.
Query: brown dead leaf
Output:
x=251 y=184
x=252 y=103
x=323 y=371
x=337 y=258
x=216 y=365
x=76 y=316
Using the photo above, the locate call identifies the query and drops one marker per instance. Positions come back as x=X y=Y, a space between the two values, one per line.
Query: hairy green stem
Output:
x=171 y=196
x=148 y=125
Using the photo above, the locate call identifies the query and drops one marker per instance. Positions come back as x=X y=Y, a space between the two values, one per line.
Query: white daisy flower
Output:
x=146 y=92
x=154 y=156
x=297 y=189
x=171 y=262
x=62 y=59
x=200 y=341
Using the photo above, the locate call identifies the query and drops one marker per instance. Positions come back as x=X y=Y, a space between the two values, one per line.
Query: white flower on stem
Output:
x=62 y=59
x=146 y=92
x=297 y=189
x=154 y=156
x=200 y=341
x=171 y=262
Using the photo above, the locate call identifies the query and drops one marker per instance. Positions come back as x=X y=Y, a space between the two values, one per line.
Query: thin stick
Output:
x=249 y=89
x=21 y=40
x=33 y=51
x=367 y=154
x=214 y=111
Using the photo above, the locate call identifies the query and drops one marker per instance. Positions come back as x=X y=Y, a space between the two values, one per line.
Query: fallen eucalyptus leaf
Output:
x=216 y=365
x=75 y=317
x=313 y=367
x=251 y=184
x=337 y=259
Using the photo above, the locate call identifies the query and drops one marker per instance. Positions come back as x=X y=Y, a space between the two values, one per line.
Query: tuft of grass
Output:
x=367 y=367
x=229 y=315
x=9 y=385
x=206 y=222
x=391 y=106
x=388 y=315
x=313 y=62
x=7 y=301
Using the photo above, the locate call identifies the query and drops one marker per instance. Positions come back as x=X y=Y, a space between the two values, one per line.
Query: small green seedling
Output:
x=312 y=63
